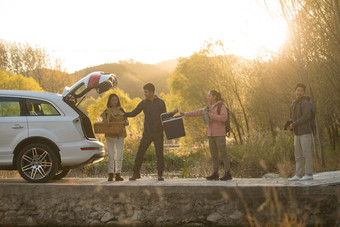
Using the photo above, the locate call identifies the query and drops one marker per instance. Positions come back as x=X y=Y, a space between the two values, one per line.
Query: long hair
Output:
x=216 y=94
x=108 y=105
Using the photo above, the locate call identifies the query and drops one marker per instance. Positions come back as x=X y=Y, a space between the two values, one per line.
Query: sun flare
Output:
x=261 y=38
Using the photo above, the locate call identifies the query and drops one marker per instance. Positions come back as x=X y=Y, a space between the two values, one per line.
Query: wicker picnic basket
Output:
x=109 y=127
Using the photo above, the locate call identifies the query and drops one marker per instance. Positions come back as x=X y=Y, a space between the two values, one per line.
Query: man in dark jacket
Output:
x=153 y=107
x=301 y=117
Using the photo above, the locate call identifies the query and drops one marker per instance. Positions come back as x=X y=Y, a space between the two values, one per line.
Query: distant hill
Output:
x=168 y=65
x=132 y=76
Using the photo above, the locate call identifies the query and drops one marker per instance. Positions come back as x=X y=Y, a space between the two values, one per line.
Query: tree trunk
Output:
x=242 y=107
x=319 y=142
x=237 y=126
x=336 y=133
x=329 y=134
x=337 y=18
x=317 y=128
x=333 y=138
x=234 y=135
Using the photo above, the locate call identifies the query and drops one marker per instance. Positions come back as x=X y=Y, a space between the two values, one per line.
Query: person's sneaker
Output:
x=213 y=176
x=305 y=177
x=226 y=176
x=294 y=178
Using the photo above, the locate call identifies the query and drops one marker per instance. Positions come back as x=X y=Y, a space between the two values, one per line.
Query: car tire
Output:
x=61 y=174
x=37 y=163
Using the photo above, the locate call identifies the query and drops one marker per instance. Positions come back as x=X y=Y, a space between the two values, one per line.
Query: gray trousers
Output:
x=217 y=146
x=303 y=154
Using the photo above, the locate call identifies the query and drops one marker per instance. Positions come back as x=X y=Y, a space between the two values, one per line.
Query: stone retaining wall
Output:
x=91 y=205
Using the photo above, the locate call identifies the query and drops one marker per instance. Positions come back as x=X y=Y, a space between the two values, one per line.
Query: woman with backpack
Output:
x=217 y=114
x=114 y=142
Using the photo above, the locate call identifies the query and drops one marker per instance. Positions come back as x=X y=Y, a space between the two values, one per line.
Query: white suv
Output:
x=44 y=135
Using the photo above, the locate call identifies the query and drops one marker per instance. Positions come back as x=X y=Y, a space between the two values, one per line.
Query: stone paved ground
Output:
x=173 y=202
x=323 y=179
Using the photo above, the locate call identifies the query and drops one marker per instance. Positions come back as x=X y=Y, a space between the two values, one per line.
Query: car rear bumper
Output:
x=81 y=153
x=95 y=158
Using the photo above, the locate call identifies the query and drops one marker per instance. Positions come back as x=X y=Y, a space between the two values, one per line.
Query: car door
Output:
x=44 y=120
x=13 y=127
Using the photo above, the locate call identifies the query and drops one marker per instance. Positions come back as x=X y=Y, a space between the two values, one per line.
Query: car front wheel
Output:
x=37 y=163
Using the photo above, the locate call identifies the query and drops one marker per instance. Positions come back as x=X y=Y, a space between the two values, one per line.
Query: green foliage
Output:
x=191 y=80
x=34 y=62
x=10 y=81
x=173 y=162
x=195 y=76
x=22 y=58
x=262 y=154
x=189 y=86
x=53 y=80
x=271 y=94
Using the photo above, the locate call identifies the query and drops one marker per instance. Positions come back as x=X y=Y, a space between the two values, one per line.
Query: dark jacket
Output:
x=300 y=116
x=152 y=111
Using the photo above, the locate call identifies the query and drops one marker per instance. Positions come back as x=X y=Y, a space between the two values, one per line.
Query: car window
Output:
x=80 y=89
x=41 y=108
x=9 y=107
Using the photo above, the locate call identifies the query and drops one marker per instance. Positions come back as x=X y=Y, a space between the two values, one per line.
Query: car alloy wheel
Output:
x=37 y=163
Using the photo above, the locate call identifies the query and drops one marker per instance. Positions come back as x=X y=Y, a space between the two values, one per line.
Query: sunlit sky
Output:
x=85 y=33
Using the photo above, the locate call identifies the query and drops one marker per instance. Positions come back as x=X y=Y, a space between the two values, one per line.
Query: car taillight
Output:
x=89 y=148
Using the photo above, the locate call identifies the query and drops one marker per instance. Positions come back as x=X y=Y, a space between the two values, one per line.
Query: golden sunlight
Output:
x=261 y=37
x=146 y=31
